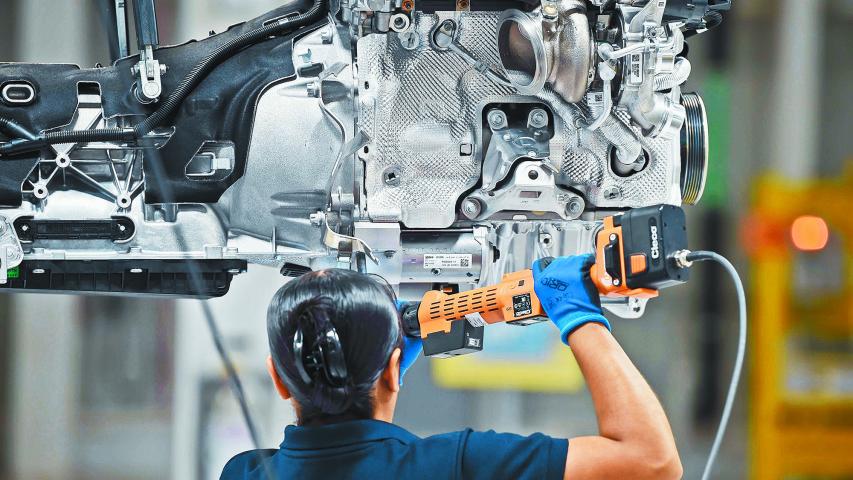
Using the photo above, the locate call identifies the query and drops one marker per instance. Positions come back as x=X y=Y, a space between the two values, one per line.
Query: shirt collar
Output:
x=342 y=434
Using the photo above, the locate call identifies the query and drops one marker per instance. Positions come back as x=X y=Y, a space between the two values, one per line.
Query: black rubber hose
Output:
x=15 y=130
x=85 y=136
x=168 y=108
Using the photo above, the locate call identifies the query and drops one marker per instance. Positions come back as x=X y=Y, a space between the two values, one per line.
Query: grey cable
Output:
x=741 y=353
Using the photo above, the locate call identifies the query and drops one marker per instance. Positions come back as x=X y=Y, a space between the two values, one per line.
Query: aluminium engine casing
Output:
x=388 y=140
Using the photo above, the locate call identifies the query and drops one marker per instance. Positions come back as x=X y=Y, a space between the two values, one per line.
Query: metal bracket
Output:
x=509 y=144
x=338 y=241
x=533 y=188
x=149 y=85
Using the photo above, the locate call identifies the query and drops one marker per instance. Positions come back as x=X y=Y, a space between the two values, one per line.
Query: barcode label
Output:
x=595 y=99
x=636 y=68
x=448 y=260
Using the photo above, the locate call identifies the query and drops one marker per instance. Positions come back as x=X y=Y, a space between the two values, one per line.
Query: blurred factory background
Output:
x=114 y=388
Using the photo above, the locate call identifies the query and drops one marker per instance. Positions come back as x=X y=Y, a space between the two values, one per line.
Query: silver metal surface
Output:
x=509 y=144
x=558 y=37
x=403 y=137
x=11 y=253
x=444 y=256
x=149 y=85
x=422 y=104
x=531 y=192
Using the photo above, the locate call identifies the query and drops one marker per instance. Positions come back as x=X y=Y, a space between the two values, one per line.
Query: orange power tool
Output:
x=635 y=255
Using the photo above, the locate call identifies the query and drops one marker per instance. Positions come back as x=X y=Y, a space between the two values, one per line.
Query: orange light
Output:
x=809 y=233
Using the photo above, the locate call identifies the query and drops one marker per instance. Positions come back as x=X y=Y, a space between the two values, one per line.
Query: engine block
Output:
x=429 y=143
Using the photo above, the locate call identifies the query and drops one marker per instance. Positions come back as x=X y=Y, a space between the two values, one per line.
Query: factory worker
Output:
x=338 y=354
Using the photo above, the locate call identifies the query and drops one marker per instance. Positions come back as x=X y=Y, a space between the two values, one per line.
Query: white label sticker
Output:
x=636 y=66
x=595 y=99
x=448 y=260
x=475 y=319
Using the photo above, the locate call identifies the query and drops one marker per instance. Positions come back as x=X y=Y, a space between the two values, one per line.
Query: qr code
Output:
x=464 y=262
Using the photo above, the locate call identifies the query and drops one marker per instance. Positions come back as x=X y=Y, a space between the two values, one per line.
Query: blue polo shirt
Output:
x=372 y=449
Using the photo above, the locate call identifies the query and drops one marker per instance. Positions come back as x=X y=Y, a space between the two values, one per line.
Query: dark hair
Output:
x=363 y=313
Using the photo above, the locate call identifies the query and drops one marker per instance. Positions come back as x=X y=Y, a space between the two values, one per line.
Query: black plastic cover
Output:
x=124 y=277
x=222 y=108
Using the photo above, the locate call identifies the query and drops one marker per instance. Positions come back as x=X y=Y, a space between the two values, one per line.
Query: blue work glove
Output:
x=412 y=347
x=567 y=293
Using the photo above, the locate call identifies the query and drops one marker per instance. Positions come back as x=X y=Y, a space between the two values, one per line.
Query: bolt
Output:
x=391 y=176
x=400 y=22
x=538 y=118
x=471 y=208
x=409 y=40
x=121 y=228
x=448 y=26
x=574 y=208
x=533 y=174
x=326 y=36
x=497 y=119
x=151 y=89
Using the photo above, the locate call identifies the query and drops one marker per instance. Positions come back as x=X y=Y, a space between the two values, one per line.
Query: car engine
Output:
x=432 y=142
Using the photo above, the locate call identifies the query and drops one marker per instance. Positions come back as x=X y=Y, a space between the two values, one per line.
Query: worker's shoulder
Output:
x=484 y=440
x=243 y=464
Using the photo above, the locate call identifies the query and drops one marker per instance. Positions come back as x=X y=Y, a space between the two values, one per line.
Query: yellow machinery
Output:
x=800 y=243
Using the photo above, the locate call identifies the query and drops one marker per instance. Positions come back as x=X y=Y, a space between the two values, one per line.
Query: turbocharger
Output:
x=551 y=45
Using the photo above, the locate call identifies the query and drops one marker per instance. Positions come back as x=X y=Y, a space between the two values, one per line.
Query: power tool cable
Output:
x=699 y=256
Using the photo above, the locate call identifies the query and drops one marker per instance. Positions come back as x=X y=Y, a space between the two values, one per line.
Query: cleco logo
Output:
x=653 y=229
x=554 y=283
